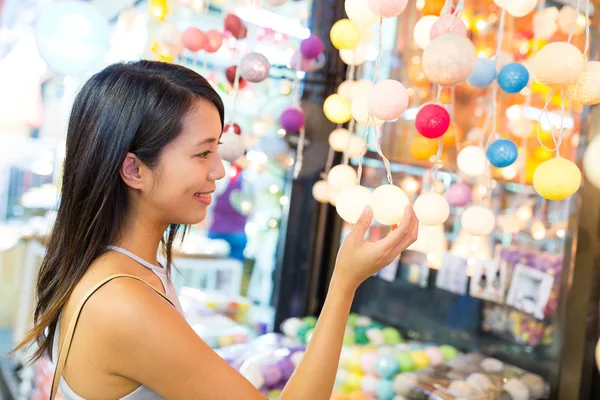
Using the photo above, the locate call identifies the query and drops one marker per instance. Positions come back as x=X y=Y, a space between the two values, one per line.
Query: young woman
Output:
x=142 y=160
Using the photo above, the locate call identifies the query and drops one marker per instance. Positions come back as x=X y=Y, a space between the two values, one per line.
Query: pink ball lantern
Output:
x=448 y=24
x=311 y=47
x=368 y=362
x=235 y=26
x=214 y=42
x=292 y=119
x=432 y=121
x=194 y=39
x=387 y=8
x=459 y=194
x=435 y=355
x=449 y=59
x=388 y=99
x=230 y=75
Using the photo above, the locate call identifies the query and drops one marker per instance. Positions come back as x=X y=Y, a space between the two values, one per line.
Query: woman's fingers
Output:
x=358 y=232
x=398 y=235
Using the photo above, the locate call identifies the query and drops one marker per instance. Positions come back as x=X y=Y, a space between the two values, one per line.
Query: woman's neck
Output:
x=141 y=236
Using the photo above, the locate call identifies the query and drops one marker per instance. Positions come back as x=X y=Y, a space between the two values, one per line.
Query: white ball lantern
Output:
x=338 y=139
x=333 y=195
x=544 y=23
x=360 y=111
x=359 y=12
x=356 y=56
x=520 y=8
x=388 y=99
x=340 y=177
x=587 y=89
x=356 y=146
x=251 y=371
x=471 y=161
x=389 y=202
x=422 y=32
x=449 y=60
x=346 y=89
x=352 y=201
x=232 y=146
x=558 y=65
x=432 y=209
x=569 y=17
x=478 y=220
x=290 y=326
x=591 y=162
x=320 y=192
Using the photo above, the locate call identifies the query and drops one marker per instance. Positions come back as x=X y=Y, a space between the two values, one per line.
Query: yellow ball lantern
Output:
x=541 y=154
x=558 y=65
x=344 y=34
x=337 y=109
x=450 y=135
x=557 y=179
x=422 y=148
x=587 y=89
x=530 y=166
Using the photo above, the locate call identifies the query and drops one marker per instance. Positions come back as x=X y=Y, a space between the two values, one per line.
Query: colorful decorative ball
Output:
x=471 y=161
x=556 y=179
x=420 y=359
x=352 y=319
x=292 y=119
x=290 y=326
x=349 y=338
x=516 y=389
x=405 y=383
x=502 y=153
x=478 y=220
x=274 y=394
x=352 y=201
x=369 y=384
x=230 y=76
x=340 y=177
x=448 y=24
x=435 y=355
x=360 y=112
x=387 y=8
x=346 y=89
x=449 y=352
x=388 y=202
x=344 y=34
x=272 y=374
x=375 y=336
x=433 y=7
x=234 y=25
x=558 y=65
x=310 y=320
x=405 y=361
x=388 y=99
x=591 y=162
x=311 y=47
x=251 y=371
x=513 y=78
x=432 y=120
x=254 y=67
x=338 y=139
x=449 y=60
x=354 y=57
x=387 y=366
x=232 y=146
x=214 y=41
x=423 y=149
x=337 y=109
x=368 y=362
x=359 y=12
x=170 y=38
x=391 y=335
x=587 y=89
x=459 y=194
x=358 y=396
x=545 y=23
x=520 y=8
x=432 y=209
x=194 y=39
x=569 y=18
x=385 y=390
x=422 y=32
x=235 y=127
x=302 y=332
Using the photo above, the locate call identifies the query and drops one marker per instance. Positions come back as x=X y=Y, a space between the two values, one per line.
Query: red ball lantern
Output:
x=235 y=26
x=214 y=41
x=194 y=39
x=432 y=121
x=236 y=128
x=230 y=75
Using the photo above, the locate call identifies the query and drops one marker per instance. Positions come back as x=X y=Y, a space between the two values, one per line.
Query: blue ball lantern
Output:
x=513 y=78
x=387 y=366
x=502 y=153
x=385 y=390
x=484 y=73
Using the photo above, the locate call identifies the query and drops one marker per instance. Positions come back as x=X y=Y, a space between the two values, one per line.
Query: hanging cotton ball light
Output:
x=292 y=119
x=275 y=3
x=432 y=120
x=338 y=139
x=558 y=64
x=234 y=25
x=340 y=177
x=194 y=39
x=544 y=23
x=502 y=153
x=337 y=109
x=484 y=73
x=230 y=76
x=518 y=124
x=346 y=89
x=478 y=221
x=587 y=89
x=355 y=147
x=520 y=8
x=360 y=112
x=363 y=88
x=311 y=47
x=388 y=100
x=388 y=202
x=432 y=209
x=471 y=161
x=356 y=56
x=449 y=60
x=254 y=67
x=387 y=8
x=591 y=162
x=448 y=24
x=569 y=16
x=556 y=179
x=214 y=41
x=290 y=326
x=459 y=194
x=359 y=12
x=422 y=32
x=333 y=195
x=320 y=191
x=423 y=149
x=232 y=146
x=513 y=78
x=344 y=34
x=352 y=201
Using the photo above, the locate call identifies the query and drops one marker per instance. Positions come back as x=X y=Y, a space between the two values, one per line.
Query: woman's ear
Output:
x=132 y=172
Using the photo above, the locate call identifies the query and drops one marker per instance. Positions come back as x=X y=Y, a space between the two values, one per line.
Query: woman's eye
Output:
x=220 y=142
x=205 y=154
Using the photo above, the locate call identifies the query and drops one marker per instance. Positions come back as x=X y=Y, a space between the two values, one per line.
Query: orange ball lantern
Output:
x=422 y=148
x=433 y=7
x=451 y=135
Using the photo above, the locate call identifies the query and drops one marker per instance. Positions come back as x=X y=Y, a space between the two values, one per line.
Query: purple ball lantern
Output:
x=272 y=374
x=292 y=119
x=459 y=194
x=311 y=47
x=287 y=367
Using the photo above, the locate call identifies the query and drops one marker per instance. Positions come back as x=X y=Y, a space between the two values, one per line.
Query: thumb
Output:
x=362 y=224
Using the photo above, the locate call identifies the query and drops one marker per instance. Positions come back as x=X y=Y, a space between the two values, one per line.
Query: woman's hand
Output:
x=358 y=258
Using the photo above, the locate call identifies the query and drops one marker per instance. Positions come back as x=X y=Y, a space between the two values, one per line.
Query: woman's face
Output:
x=184 y=180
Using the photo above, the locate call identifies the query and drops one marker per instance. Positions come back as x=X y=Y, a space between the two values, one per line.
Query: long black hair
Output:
x=135 y=107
